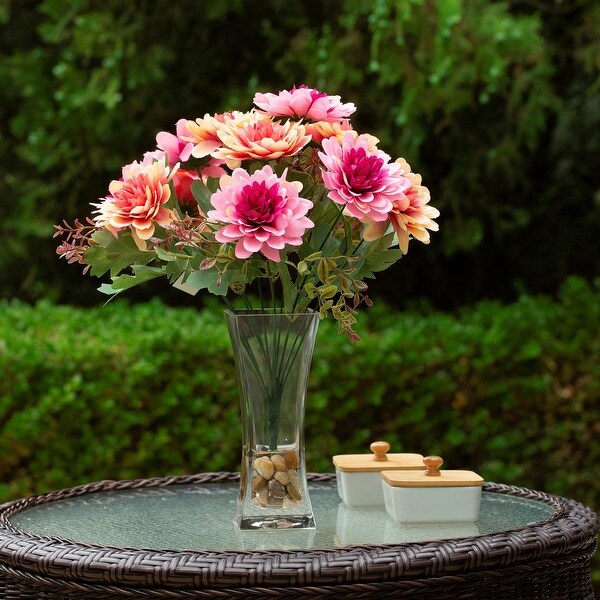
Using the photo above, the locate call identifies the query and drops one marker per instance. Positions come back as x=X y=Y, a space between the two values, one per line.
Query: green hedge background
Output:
x=511 y=391
x=496 y=104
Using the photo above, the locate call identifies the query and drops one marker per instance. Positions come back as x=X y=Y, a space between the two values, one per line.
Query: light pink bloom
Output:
x=137 y=201
x=304 y=103
x=410 y=215
x=259 y=138
x=212 y=169
x=361 y=177
x=176 y=148
x=264 y=212
x=150 y=157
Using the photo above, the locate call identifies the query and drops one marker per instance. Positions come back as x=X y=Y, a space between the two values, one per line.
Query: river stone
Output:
x=291 y=459
x=282 y=477
x=258 y=483
x=264 y=467
x=294 y=477
x=276 y=490
x=289 y=502
x=263 y=496
x=294 y=491
x=279 y=462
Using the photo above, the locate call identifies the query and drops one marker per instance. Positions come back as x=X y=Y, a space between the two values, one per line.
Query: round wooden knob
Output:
x=433 y=464
x=380 y=449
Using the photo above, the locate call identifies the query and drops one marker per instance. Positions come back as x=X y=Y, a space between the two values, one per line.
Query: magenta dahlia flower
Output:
x=264 y=212
x=304 y=103
x=361 y=177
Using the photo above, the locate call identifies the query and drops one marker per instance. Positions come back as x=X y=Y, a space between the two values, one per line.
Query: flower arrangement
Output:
x=286 y=203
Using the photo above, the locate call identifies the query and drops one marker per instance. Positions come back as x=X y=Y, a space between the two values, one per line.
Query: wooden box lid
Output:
x=380 y=460
x=431 y=476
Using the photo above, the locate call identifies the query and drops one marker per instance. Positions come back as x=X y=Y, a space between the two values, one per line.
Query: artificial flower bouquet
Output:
x=285 y=203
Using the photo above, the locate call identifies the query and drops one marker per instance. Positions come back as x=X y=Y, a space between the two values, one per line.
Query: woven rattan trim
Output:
x=567 y=578
x=572 y=529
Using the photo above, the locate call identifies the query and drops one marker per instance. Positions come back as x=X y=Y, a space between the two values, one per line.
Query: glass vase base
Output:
x=256 y=523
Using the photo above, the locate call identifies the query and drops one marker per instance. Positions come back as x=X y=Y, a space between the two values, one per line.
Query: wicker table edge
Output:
x=572 y=529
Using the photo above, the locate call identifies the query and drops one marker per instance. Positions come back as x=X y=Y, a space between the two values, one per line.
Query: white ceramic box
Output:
x=359 y=475
x=431 y=495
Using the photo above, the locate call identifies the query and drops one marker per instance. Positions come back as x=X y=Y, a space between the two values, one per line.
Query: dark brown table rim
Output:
x=554 y=553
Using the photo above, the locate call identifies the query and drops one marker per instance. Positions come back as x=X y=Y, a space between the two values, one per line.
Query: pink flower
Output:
x=176 y=148
x=264 y=212
x=410 y=215
x=304 y=102
x=212 y=169
x=137 y=201
x=259 y=138
x=360 y=176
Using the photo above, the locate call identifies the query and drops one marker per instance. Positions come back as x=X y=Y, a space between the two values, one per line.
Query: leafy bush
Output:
x=133 y=391
x=494 y=103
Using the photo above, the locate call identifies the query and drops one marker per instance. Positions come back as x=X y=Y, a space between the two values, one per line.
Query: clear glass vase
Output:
x=272 y=354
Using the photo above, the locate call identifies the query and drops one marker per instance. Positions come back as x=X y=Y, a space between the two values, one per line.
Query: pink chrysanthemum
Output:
x=410 y=215
x=304 y=103
x=137 y=201
x=361 y=177
x=175 y=146
x=259 y=138
x=264 y=212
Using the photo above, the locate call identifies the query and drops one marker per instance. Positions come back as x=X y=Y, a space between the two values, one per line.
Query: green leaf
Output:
x=378 y=256
x=114 y=253
x=124 y=282
x=167 y=255
x=211 y=280
x=202 y=194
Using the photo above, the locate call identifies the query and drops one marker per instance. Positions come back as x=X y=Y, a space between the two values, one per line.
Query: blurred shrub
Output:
x=496 y=103
x=123 y=392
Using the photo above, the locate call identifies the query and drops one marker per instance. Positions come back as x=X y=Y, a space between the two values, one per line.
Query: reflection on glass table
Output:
x=200 y=516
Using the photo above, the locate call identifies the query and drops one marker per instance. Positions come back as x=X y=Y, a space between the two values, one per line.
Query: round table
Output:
x=174 y=537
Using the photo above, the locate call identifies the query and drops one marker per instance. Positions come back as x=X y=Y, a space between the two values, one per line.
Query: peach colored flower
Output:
x=259 y=138
x=410 y=215
x=263 y=212
x=202 y=133
x=321 y=130
x=137 y=201
x=360 y=178
x=304 y=103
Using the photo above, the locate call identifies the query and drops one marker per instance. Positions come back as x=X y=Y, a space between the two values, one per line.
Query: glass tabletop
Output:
x=200 y=517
